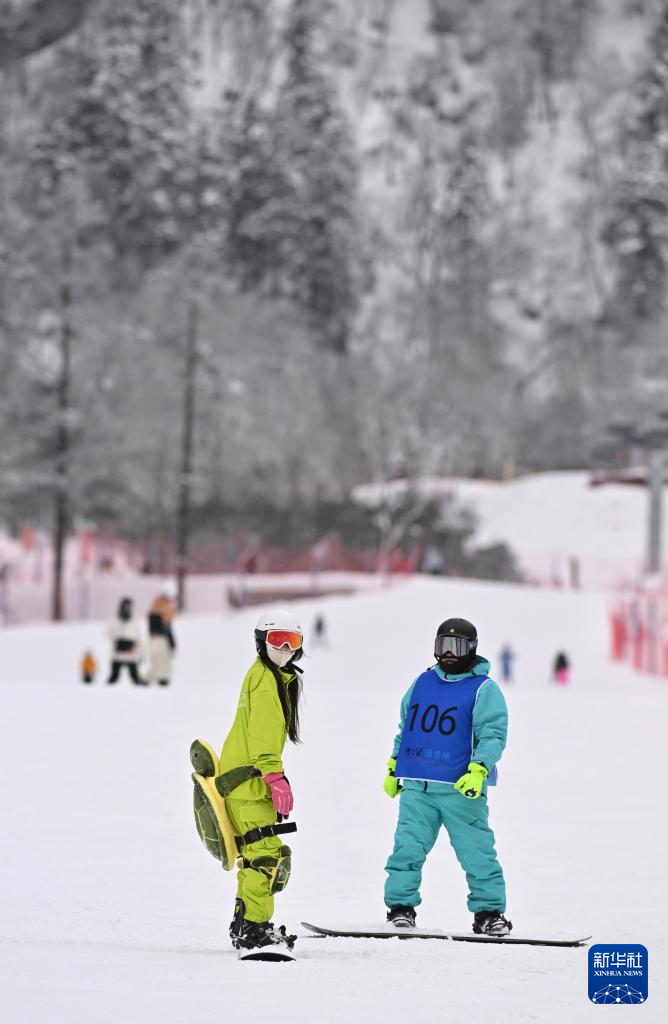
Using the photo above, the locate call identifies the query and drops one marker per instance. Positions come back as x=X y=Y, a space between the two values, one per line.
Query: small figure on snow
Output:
x=320 y=631
x=433 y=562
x=161 y=642
x=250 y=777
x=452 y=732
x=4 y=594
x=126 y=643
x=507 y=661
x=88 y=667
x=561 y=670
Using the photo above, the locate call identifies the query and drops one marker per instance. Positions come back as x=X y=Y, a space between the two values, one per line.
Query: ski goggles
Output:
x=457 y=645
x=285 y=637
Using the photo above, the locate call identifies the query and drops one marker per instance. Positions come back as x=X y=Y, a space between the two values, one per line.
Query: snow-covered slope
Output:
x=113 y=911
x=548 y=518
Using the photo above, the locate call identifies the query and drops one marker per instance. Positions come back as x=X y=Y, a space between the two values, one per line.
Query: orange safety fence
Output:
x=638 y=628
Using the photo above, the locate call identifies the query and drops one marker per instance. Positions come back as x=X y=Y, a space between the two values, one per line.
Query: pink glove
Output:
x=281 y=794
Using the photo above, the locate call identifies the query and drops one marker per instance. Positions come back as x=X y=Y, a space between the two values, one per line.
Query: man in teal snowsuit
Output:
x=452 y=732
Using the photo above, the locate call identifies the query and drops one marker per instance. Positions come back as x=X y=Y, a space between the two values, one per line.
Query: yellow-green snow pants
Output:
x=253 y=887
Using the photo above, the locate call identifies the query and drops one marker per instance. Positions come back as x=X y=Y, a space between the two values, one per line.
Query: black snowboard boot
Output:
x=401 y=917
x=255 y=935
x=491 y=922
x=239 y=907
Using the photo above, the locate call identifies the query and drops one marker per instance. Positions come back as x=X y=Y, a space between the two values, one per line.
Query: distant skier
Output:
x=250 y=775
x=452 y=731
x=561 y=670
x=161 y=643
x=320 y=631
x=507 y=660
x=88 y=667
x=4 y=593
x=126 y=643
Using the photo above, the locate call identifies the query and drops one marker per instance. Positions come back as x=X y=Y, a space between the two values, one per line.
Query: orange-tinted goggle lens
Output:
x=281 y=637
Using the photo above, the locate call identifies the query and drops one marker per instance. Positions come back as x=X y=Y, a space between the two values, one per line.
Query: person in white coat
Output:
x=126 y=643
x=161 y=641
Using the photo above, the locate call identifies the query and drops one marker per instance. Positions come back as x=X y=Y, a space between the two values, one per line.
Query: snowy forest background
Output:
x=256 y=252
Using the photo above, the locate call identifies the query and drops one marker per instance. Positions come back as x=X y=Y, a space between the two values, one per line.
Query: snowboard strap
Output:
x=265 y=831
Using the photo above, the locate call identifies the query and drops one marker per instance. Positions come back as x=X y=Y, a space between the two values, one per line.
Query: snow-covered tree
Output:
x=121 y=111
x=28 y=26
x=292 y=186
x=637 y=230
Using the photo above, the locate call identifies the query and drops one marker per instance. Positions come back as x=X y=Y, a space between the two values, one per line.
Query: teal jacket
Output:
x=490 y=720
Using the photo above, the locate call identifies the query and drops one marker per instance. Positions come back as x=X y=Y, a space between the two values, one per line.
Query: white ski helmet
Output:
x=168 y=588
x=280 y=633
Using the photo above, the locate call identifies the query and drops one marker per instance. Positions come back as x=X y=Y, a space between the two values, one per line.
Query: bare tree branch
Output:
x=28 y=26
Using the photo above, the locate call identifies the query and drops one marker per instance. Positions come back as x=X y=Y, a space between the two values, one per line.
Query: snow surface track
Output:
x=112 y=911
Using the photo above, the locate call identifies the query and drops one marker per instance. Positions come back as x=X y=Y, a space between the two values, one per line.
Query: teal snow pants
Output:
x=421 y=814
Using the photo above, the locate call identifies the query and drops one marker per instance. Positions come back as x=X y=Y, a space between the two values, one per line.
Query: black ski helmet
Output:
x=464 y=630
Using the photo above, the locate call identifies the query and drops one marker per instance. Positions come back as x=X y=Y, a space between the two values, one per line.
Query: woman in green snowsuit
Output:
x=267 y=715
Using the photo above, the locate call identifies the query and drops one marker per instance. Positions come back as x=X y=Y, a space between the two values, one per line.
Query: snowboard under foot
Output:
x=422 y=933
x=268 y=955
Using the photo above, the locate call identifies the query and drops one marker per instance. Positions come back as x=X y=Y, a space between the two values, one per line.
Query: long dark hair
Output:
x=290 y=704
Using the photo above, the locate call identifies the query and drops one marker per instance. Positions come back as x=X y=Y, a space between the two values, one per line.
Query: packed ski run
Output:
x=113 y=908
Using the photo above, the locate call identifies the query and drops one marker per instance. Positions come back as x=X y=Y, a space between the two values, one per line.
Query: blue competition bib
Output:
x=437 y=741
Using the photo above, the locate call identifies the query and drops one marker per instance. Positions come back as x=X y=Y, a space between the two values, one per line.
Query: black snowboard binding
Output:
x=401 y=917
x=491 y=922
x=256 y=935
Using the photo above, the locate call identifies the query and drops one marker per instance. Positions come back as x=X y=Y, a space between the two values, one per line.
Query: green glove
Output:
x=470 y=785
x=391 y=784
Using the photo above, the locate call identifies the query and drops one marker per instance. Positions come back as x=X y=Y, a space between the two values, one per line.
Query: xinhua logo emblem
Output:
x=617 y=973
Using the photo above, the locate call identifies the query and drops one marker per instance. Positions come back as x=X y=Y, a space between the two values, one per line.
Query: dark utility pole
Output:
x=651 y=438
x=655 y=512
x=185 y=475
x=62 y=440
